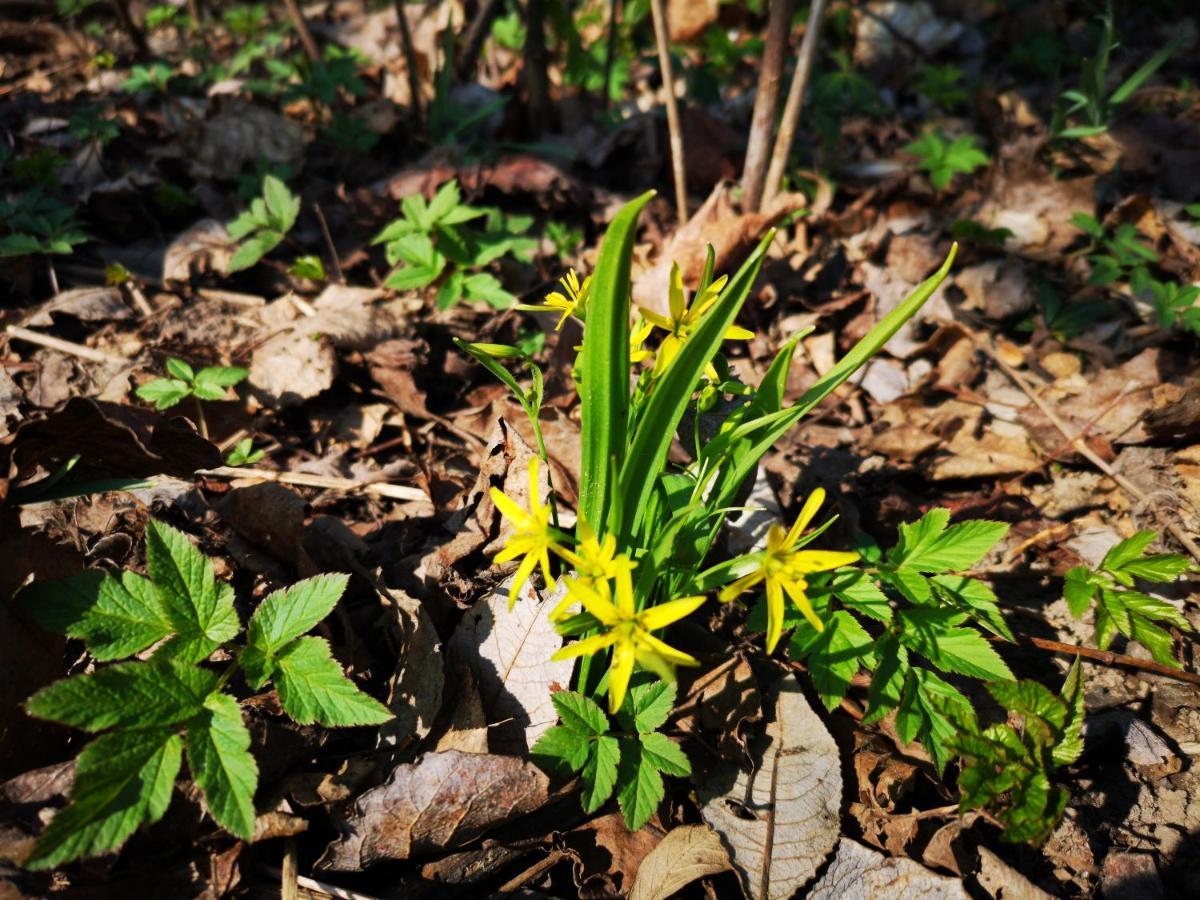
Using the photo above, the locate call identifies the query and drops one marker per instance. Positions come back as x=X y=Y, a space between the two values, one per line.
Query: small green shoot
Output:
x=210 y=383
x=263 y=226
x=244 y=454
x=943 y=158
x=149 y=712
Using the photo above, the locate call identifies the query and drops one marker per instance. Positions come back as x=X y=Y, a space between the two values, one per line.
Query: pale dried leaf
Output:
x=291 y=368
x=859 y=873
x=416 y=696
x=687 y=853
x=780 y=820
x=509 y=655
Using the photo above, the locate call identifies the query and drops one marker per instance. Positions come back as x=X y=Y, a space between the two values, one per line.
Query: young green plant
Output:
x=182 y=381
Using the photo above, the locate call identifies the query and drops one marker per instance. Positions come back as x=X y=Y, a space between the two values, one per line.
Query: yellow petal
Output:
x=655 y=319
x=820 y=560
x=522 y=576
x=665 y=613
x=737 y=333
x=774 y=613
x=802 y=603
x=655 y=663
x=618 y=675
x=544 y=559
x=744 y=583
x=590 y=600
x=587 y=647
x=665 y=651
x=534 y=503
x=811 y=505
x=675 y=294
x=508 y=507
x=625 y=605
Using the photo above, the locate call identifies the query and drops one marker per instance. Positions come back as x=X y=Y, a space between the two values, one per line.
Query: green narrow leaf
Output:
x=121 y=780
x=312 y=688
x=218 y=749
x=600 y=772
x=673 y=392
x=604 y=365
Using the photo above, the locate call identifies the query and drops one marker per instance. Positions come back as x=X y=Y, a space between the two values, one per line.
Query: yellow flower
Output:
x=629 y=634
x=531 y=536
x=637 y=336
x=572 y=302
x=595 y=563
x=684 y=319
x=782 y=569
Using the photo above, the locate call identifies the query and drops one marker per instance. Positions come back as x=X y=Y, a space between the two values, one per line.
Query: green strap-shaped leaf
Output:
x=604 y=394
x=846 y=366
x=672 y=394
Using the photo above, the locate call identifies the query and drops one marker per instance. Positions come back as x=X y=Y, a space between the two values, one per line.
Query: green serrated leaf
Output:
x=221 y=376
x=164 y=392
x=892 y=666
x=975 y=598
x=1127 y=551
x=833 y=656
x=916 y=537
x=285 y=615
x=859 y=591
x=600 y=772
x=561 y=751
x=665 y=754
x=651 y=704
x=312 y=688
x=1159 y=567
x=218 y=749
x=1070 y=744
x=201 y=610
x=641 y=786
x=932 y=633
x=177 y=368
x=909 y=715
x=126 y=695
x=1079 y=589
x=957 y=548
x=580 y=714
x=121 y=780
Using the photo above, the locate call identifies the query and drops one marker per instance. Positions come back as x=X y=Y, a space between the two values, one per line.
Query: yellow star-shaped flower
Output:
x=782 y=568
x=571 y=301
x=628 y=632
x=595 y=562
x=531 y=536
x=683 y=319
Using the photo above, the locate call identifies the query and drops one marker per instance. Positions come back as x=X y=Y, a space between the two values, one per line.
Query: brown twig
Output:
x=762 y=123
x=537 y=82
x=410 y=63
x=305 y=33
x=543 y=865
x=794 y=104
x=1084 y=450
x=610 y=52
x=674 y=127
x=121 y=8
x=1108 y=658
x=333 y=254
x=68 y=347
x=477 y=33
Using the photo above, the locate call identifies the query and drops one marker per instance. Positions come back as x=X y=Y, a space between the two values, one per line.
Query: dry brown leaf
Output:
x=441 y=801
x=859 y=873
x=291 y=368
x=607 y=855
x=204 y=247
x=1003 y=882
x=687 y=853
x=687 y=19
x=998 y=288
x=781 y=820
x=717 y=222
x=416 y=694
x=721 y=704
x=468 y=729
x=508 y=652
x=90 y=304
x=242 y=133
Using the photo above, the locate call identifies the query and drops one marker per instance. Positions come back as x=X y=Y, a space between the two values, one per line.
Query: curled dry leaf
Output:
x=721 y=703
x=717 y=222
x=509 y=653
x=439 y=802
x=780 y=820
x=607 y=855
x=202 y=248
x=859 y=873
x=686 y=854
x=416 y=693
x=89 y=304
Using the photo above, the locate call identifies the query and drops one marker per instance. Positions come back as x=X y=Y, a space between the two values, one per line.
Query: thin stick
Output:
x=322 y=887
x=68 y=347
x=762 y=124
x=200 y=420
x=477 y=33
x=610 y=53
x=1104 y=657
x=302 y=479
x=537 y=83
x=121 y=7
x=1084 y=450
x=794 y=104
x=288 y=887
x=302 y=30
x=673 y=125
x=333 y=254
x=410 y=63
x=540 y=867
